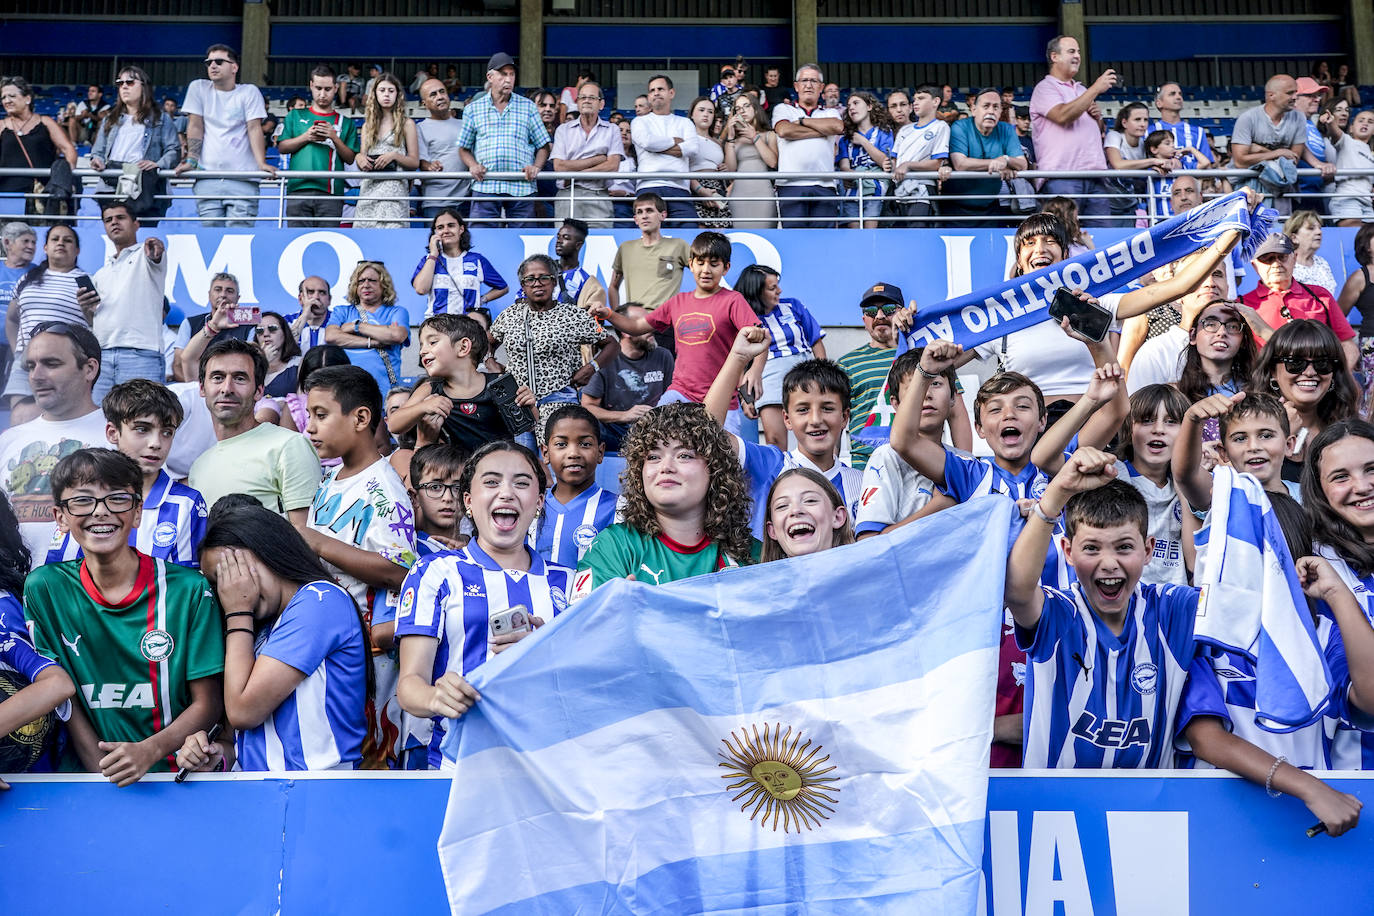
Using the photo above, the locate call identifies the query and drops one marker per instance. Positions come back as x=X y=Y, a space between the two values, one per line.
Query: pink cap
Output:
x=1308 y=86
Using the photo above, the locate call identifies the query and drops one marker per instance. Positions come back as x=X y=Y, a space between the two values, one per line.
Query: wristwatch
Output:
x=356 y=324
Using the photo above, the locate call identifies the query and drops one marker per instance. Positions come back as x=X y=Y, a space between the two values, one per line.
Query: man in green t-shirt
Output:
x=867 y=366
x=318 y=139
x=140 y=637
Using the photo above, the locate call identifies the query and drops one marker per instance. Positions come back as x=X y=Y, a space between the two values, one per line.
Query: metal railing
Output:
x=1149 y=195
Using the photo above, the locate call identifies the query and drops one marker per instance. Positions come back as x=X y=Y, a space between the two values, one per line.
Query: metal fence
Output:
x=273 y=192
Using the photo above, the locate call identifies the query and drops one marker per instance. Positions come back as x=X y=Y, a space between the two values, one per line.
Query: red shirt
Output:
x=1310 y=302
x=1011 y=679
x=703 y=332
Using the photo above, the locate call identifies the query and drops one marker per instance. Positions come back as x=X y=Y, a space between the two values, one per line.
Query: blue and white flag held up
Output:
x=811 y=733
x=1020 y=302
x=1252 y=604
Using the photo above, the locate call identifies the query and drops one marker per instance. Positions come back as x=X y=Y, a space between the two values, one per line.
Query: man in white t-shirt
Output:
x=224 y=134
x=663 y=143
x=63 y=362
x=438 y=137
x=807 y=135
x=922 y=154
x=128 y=320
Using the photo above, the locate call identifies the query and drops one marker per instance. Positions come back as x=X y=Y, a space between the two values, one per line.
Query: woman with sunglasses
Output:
x=283 y=353
x=1304 y=365
x=137 y=130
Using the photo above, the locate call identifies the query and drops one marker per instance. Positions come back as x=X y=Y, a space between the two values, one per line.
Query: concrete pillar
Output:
x=1362 y=34
x=1071 y=23
x=531 y=56
x=257 y=31
x=805 y=44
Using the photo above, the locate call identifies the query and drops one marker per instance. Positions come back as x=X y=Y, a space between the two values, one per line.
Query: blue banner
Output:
x=1145 y=843
x=828 y=270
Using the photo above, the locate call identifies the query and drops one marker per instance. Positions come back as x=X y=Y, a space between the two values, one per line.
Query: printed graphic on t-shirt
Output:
x=27 y=478
x=695 y=328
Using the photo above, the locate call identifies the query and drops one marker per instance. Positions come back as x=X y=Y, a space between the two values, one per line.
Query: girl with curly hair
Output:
x=686 y=504
x=865 y=146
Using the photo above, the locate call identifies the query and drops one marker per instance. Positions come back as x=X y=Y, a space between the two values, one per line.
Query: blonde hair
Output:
x=1299 y=220
x=383 y=278
x=373 y=115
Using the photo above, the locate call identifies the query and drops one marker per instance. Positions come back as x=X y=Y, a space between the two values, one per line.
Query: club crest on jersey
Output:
x=583 y=535
x=164 y=535
x=468 y=408
x=1018 y=673
x=1145 y=678
x=156 y=645
x=1037 y=489
x=559 y=599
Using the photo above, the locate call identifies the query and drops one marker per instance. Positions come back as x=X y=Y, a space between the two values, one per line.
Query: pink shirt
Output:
x=1075 y=148
x=703 y=332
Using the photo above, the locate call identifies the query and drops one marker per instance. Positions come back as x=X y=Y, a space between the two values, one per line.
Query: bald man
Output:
x=1273 y=132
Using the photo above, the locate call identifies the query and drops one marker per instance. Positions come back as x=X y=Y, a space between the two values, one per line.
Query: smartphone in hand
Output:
x=1086 y=317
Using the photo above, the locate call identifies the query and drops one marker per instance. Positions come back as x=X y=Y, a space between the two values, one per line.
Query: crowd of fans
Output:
x=910 y=147
x=375 y=537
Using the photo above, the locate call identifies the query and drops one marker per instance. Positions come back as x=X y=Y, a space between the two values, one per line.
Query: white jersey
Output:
x=916 y=143
x=892 y=490
x=1166 y=527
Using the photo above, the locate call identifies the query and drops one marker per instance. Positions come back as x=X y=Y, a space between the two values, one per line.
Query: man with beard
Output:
x=628 y=387
x=867 y=366
x=275 y=466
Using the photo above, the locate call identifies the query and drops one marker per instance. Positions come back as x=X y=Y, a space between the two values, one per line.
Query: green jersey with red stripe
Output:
x=133 y=659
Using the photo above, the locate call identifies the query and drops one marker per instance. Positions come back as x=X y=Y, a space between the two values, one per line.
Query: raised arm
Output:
x=1140 y=301
x=749 y=343
x=1065 y=113
x=925 y=456
x=1193 y=481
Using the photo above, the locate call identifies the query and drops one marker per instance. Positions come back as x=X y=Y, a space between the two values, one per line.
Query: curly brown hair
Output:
x=728 y=502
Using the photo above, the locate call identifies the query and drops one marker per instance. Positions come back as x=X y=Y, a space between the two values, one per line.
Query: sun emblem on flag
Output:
x=780 y=776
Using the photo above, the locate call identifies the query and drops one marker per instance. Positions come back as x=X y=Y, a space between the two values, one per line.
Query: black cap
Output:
x=888 y=292
x=498 y=60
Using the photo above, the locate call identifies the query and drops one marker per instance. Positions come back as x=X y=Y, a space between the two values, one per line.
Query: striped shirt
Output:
x=426 y=544
x=1096 y=700
x=310 y=336
x=52 y=299
x=566 y=531
x=1352 y=748
x=452 y=597
x=503 y=141
x=171 y=528
x=458 y=282
x=792 y=328
x=867 y=368
x=16 y=651
x=321 y=724
x=1185 y=134
x=763 y=463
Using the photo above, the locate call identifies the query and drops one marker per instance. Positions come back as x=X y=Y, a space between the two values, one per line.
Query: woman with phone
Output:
x=390 y=144
x=460 y=608
x=451 y=275
x=296 y=650
x=751 y=146
x=56 y=290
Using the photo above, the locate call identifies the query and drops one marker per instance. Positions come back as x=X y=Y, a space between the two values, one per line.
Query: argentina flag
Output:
x=1252 y=604
x=810 y=735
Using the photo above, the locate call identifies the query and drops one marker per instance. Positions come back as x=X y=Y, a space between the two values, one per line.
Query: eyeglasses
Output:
x=871 y=311
x=536 y=279
x=128 y=82
x=1324 y=365
x=217 y=61
x=436 y=489
x=81 y=506
x=1213 y=325
x=589 y=98
x=808 y=81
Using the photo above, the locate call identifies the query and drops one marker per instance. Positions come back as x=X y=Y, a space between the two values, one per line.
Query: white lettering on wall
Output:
x=234 y=255
x=291 y=265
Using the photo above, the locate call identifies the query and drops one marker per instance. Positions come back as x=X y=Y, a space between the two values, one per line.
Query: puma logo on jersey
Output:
x=1112 y=733
x=319 y=591
x=71 y=643
x=656 y=575
x=119 y=696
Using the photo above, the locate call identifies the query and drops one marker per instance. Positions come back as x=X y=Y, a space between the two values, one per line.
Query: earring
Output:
x=1274 y=384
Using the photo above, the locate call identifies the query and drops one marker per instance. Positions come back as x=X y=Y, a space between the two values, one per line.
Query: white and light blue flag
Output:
x=1253 y=605
x=807 y=735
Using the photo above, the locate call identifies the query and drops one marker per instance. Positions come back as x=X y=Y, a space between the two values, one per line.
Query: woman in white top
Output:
x=47 y=293
x=1351 y=204
x=137 y=131
x=390 y=144
x=707 y=155
x=1305 y=229
x=1125 y=149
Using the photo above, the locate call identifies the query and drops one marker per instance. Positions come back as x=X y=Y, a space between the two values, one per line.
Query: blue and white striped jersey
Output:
x=452 y=598
x=321 y=724
x=310 y=336
x=763 y=463
x=171 y=527
x=458 y=282
x=967 y=476
x=426 y=544
x=1095 y=700
x=1185 y=134
x=1352 y=748
x=566 y=531
x=792 y=328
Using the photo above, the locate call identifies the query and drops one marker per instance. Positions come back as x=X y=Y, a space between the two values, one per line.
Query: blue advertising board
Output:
x=828 y=270
x=1072 y=843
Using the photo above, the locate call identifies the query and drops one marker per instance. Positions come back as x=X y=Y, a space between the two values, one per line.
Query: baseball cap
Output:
x=378 y=67
x=1308 y=86
x=887 y=292
x=1276 y=243
x=500 y=60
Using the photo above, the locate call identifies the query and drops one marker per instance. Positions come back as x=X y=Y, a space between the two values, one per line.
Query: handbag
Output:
x=36 y=203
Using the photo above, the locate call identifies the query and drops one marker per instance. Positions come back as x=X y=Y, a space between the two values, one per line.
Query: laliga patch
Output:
x=407 y=602
x=156 y=645
x=164 y=535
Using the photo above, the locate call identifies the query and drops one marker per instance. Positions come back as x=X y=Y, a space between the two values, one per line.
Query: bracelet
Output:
x=431 y=257
x=1269 y=780
x=928 y=376
x=239 y=614
x=238 y=630
x=1040 y=513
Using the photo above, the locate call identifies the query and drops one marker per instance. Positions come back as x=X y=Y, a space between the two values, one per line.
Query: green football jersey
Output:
x=317 y=157
x=620 y=551
x=133 y=659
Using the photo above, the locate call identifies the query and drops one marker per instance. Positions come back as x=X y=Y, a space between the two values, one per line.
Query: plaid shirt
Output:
x=503 y=141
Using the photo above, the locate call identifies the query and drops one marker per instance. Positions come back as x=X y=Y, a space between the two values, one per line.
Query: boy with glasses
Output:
x=224 y=133
x=140 y=636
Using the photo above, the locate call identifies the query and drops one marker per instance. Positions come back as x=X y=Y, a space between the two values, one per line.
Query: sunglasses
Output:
x=217 y=61
x=871 y=311
x=1296 y=365
x=128 y=82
